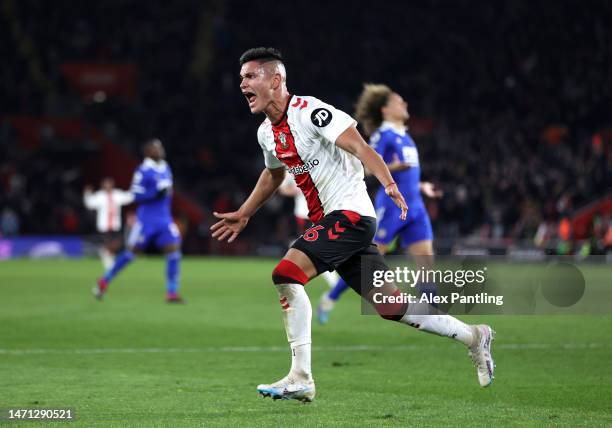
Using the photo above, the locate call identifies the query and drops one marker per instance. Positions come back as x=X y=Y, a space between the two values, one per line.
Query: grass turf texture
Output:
x=132 y=360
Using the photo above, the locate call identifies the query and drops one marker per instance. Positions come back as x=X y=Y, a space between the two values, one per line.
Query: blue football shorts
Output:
x=157 y=234
x=417 y=226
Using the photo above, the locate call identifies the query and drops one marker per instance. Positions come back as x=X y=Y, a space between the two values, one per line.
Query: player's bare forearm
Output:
x=351 y=141
x=397 y=165
x=375 y=164
x=430 y=190
x=232 y=223
x=269 y=181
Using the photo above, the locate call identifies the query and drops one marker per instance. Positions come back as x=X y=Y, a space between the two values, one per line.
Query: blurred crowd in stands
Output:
x=510 y=101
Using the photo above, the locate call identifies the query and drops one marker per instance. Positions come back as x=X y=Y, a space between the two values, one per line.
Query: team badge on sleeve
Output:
x=321 y=117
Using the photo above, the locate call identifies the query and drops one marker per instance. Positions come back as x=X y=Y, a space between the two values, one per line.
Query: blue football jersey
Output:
x=150 y=179
x=391 y=143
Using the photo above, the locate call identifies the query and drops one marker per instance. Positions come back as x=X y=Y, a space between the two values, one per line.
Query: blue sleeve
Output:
x=380 y=142
x=143 y=187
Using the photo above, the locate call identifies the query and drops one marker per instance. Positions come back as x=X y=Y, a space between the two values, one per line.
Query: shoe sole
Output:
x=491 y=334
x=289 y=396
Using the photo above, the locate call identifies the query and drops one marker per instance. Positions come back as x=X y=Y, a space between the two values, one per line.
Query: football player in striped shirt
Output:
x=320 y=146
x=107 y=203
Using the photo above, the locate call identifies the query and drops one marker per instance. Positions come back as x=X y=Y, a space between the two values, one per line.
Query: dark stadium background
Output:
x=510 y=103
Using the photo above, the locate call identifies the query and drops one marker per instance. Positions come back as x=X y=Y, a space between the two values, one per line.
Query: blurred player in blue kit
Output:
x=152 y=190
x=383 y=114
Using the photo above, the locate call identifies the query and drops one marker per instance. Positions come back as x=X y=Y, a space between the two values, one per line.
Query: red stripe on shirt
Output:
x=287 y=153
x=111 y=212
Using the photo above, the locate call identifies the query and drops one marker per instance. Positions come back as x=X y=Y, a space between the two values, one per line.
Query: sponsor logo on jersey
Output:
x=303 y=169
x=321 y=117
x=411 y=155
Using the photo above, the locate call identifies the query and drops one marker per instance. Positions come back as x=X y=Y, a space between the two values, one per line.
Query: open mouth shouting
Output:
x=251 y=98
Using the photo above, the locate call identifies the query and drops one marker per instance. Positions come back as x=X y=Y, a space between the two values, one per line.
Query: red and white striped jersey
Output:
x=108 y=205
x=303 y=141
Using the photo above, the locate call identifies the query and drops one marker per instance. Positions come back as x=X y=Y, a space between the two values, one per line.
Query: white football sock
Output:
x=330 y=277
x=297 y=316
x=107 y=258
x=442 y=325
x=326 y=303
x=300 y=361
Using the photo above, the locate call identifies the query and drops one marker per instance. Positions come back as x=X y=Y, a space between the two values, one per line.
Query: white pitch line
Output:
x=239 y=349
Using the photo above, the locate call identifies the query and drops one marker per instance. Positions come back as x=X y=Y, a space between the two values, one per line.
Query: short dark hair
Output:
x=261 y=54
x=150 y=142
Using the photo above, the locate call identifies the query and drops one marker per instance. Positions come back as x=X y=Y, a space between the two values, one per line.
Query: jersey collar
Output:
x=157 y=166
x=393 y=127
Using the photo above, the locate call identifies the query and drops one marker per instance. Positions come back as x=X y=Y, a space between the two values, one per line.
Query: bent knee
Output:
x=287 y=272
x=393 y=308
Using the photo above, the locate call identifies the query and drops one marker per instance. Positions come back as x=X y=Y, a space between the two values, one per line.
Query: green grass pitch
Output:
x=132 y=360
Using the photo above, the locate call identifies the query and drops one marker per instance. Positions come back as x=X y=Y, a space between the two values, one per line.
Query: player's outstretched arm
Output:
x=88 y=198
x=231 y=224
x=430 y=190
x=397 y=164
x=351 y=141
x=125 y=198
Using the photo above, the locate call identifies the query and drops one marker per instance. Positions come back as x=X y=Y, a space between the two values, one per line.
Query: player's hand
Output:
x=88 y=189
x=393 y=192
x=231 y=225
x=430 y=190
x=397 y=164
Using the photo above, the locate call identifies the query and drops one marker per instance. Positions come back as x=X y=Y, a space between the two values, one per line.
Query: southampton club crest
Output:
x=283 y=140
